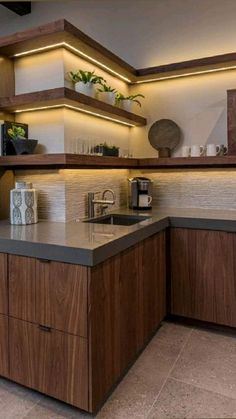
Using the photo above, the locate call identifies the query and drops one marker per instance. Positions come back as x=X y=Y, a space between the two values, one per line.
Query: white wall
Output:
x=143 y=32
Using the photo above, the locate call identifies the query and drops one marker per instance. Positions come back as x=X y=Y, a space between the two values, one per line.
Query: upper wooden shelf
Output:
x=185 y=162
x=64 y=96
x=61 y=33
x=45 y=161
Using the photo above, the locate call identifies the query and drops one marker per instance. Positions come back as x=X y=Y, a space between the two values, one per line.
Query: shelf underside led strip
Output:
x=77 y=109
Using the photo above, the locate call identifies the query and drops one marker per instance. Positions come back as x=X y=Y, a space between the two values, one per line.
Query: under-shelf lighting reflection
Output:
x=75 y=108
x=77 y=51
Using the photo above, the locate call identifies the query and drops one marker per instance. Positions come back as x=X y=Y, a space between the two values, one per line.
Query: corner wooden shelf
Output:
x=62 y=34
x=54 y=161
x=188 y=162
x=63 y=96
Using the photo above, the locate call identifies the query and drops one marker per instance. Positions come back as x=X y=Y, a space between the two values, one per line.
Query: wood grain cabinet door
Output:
x=61 y=296
x=3 y=284
x=49 y=361
x=152 y=285
x=203 y=276
x=22 y=295
x=4 y=356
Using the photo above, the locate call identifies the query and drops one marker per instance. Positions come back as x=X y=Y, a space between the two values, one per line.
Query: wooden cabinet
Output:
x=61 y=296
x=49 y=293
x=22 y=292
x=49 y=361
x=126 y=305
x=203 y=275
x=4 y=357
x=3 y=284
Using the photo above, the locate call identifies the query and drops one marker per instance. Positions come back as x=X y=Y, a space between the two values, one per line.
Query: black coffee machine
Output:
x=140 y=197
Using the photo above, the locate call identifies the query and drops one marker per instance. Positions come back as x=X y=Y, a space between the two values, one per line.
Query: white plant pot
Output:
x=87 y=89
x=108 y=97
x=127 y=105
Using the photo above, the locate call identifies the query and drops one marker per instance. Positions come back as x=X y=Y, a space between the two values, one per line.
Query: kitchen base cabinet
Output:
x=3 y=284
x=4 y=353
x=49 y=361
x=203 y=275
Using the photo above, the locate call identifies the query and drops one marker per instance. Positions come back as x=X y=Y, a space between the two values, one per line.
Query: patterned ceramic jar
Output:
x=23 y=204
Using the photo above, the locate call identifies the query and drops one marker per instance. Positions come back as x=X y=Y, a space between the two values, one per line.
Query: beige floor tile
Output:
x=49 y=408
x=137 y=391
x=180 y=400
x=209 y=361
x=15 y=400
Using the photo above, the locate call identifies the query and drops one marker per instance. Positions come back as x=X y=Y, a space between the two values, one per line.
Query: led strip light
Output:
x=74 y=108
x=79 y=52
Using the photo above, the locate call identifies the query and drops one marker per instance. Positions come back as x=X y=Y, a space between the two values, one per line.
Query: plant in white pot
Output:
x=85 y=81
x=127 y=102
x=107 y=93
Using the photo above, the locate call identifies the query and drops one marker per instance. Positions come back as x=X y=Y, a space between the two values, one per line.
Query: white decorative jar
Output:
x=87 y=89
x=23 y=204
x=108 y=97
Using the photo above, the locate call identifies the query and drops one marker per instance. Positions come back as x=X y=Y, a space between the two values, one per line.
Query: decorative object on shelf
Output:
x=107 y=94
x=85 y=81
x=197 y=150
x=185 y=151
x=212 y=150
x=164 y=135
x=10 y=133
x=21 y=144
x=127 y=102
x=223 y=150
x=23 y=204
x=107 y=150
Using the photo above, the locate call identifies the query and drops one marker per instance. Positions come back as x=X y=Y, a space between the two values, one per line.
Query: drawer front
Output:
x=61 y=296
x=22 y=287
x=49 y=361
x=3 y=284
x=4 y=359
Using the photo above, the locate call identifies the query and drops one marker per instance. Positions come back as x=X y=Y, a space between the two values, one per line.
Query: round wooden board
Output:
x=164 y=133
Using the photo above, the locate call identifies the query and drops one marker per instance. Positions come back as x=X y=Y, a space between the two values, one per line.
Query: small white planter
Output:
x=127 y=105
x=87 y=89
x=108 y=97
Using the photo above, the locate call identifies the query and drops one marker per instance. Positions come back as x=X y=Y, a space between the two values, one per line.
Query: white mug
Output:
x=144 y=200
x=185 y=151
x=212 y=150
x=196 y=150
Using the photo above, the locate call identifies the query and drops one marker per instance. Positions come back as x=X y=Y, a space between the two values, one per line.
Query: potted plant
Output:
x=126 y=102
x=21 y=144
x=107 y=150
x=85 y=81
x=107 y=93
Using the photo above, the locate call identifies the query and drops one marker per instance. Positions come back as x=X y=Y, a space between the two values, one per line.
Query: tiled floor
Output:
x=183 y=373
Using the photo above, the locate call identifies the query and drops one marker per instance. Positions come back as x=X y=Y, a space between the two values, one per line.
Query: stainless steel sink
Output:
x=118 y=219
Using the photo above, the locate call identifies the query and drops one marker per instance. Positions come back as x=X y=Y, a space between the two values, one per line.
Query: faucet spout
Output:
x=103 y=202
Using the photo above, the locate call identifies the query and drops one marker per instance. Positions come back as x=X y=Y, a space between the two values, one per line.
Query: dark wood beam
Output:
x=20 y=8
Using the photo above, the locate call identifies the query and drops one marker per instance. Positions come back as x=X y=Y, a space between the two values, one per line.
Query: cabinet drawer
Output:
x=3 y=284
x=52 y=362
x=4 y=364
x=53 y=294
x=61 y=296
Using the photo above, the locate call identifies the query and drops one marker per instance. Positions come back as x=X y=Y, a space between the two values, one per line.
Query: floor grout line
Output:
x=168 y=375
x=201 y=388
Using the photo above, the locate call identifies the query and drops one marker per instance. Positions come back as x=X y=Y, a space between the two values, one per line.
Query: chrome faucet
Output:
x=102 y=202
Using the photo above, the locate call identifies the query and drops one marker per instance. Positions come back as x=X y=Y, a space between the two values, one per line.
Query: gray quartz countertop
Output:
x=89 y=244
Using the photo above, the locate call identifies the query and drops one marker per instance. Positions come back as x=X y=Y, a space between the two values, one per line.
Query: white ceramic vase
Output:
x=108 y=97
x=23 y=204
x=127 y=105
x=87 y=89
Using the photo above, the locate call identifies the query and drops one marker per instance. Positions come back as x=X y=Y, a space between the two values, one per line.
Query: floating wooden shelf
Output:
x=185 y=162
x=54 y=161
x=61 y=33
x=45 y=161
x=64 y=96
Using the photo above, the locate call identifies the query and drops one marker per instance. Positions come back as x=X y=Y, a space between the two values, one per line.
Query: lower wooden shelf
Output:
x=45 y=161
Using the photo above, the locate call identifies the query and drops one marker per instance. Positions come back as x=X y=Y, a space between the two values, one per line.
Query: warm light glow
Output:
x=77 y=51
x=74 y=108
x=214 y=70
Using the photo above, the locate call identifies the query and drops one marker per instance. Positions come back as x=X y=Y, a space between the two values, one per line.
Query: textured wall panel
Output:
x=193 y=188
